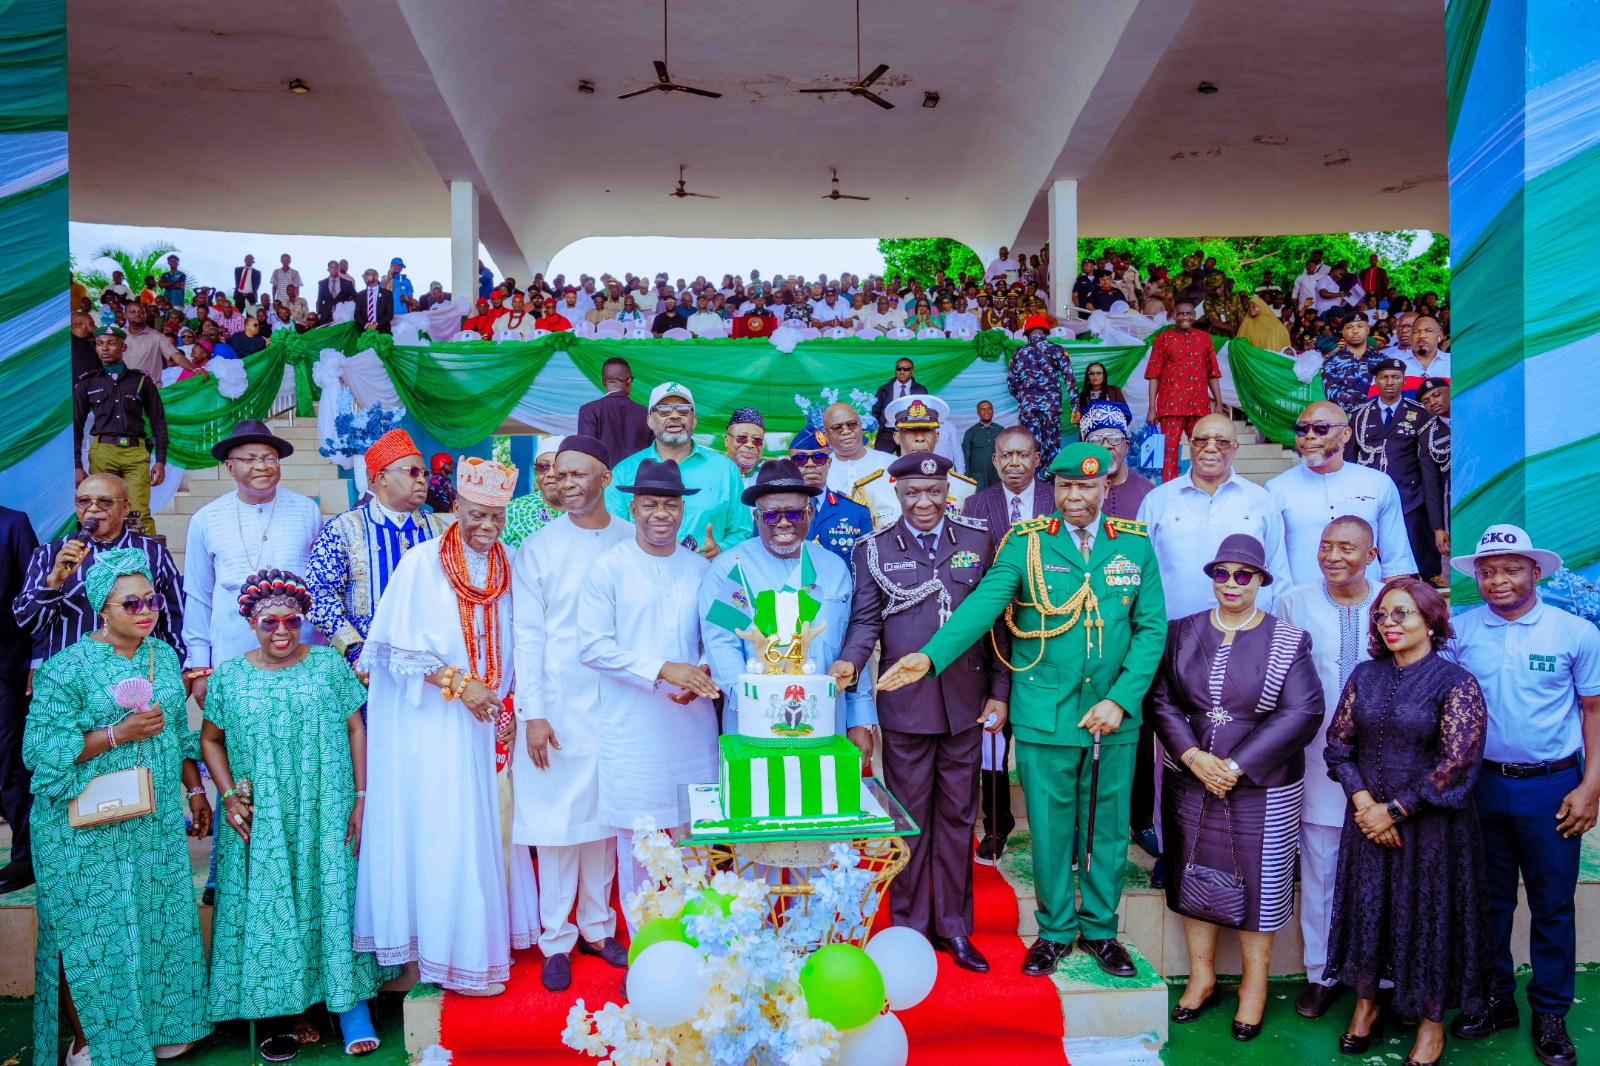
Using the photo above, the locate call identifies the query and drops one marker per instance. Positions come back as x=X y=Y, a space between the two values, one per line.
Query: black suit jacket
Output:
x=885 y=440
x=17 y=545
x=618 y=421
x=1396 y=450
x=1434 y=455
x=951 y=701
x=345 y=290
x=989 y=507
x=249 y=286
x=385 y=309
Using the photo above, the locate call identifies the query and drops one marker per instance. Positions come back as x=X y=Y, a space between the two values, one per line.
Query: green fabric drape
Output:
x=1463 y=28
x=33 y=66
x=1268 y=390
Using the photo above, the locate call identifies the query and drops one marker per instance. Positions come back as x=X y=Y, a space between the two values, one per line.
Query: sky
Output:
x=209 y=256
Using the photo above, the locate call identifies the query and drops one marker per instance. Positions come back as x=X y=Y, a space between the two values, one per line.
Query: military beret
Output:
x=810 y=440
x=920 y=464
x=1389 y=364
x=1080 y=460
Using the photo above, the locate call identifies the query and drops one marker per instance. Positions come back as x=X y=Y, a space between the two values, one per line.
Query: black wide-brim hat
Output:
x=250 y=431
x=1245 y=550
x=655 y=478
x=777 y=475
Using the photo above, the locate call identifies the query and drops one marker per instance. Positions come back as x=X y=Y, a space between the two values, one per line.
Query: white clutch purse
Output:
x=121 y=794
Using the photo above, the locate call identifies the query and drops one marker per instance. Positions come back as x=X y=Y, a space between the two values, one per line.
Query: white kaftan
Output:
x=432 y=882
x=636 y=612
x=1308 y=501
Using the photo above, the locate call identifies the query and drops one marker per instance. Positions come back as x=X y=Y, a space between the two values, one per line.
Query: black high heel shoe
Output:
x=1184 y=1015
x=1443 y=1044
x=1350 y=1044
x=1245 y=1031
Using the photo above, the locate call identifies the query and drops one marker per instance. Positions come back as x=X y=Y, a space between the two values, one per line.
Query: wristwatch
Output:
x=1233 y=768
x=1395 y=811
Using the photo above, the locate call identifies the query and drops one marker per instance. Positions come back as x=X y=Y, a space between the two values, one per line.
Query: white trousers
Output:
x=581 y=874
x=630 y=872
x=1319 y=862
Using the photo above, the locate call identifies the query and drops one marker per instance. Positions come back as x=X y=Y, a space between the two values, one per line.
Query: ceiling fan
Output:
x=862 y=86
x=835 y=194
x=664 y=82
x=680 y=192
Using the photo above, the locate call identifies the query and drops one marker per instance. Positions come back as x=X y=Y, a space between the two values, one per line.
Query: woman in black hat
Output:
x=1236 y=701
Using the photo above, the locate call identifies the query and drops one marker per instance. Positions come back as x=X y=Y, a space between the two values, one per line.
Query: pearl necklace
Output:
x=1226 y=628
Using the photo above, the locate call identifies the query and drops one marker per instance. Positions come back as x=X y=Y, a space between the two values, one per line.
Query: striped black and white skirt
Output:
x=1266 y=826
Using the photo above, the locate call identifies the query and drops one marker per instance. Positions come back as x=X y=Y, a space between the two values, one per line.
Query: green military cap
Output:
x=111 y=331
x=1081 y=459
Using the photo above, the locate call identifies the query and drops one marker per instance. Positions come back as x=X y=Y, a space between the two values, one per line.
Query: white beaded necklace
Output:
x=1225 y=627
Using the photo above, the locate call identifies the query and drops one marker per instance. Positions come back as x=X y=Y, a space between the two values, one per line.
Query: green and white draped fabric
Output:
x=1523 y=104
x=35 y=346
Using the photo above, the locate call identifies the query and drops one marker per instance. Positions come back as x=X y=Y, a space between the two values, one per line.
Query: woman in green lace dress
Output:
x=117 y=914
x=286 y=718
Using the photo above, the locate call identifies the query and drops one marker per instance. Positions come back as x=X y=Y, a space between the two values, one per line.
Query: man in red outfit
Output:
x=1182 y=362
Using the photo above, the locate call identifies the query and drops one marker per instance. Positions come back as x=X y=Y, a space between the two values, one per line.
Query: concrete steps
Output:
x=1258 y=459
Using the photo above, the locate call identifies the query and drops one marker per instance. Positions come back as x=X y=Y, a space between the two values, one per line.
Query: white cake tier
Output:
x=787 y=706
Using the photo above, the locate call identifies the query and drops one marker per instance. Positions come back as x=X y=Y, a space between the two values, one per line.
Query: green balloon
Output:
x=654 y=932
x=710 y=901
x=842 y=986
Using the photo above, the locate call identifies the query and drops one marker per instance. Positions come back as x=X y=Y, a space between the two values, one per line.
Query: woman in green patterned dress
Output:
x=119 y=933
x=287 y=718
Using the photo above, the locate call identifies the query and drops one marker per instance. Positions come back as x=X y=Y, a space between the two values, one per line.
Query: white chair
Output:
x=609 y=328
x=468 y=335
x=583 y=328
x=637 y=333
x=835 y=332
x=503 y=335
x=1017 y=335
x=536 y=334
x=1120 y=307
x=867 y=333
x=1062 y=331
x=677 y=333
x=965 y=333
x=930 y=334
x=899 y=333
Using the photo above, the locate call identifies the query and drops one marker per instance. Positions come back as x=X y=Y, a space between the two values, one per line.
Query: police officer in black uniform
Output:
x=129 y=422
x=1386 y=434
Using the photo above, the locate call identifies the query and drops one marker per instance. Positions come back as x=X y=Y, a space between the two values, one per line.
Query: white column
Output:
x=463 y=240
x=1063 y=201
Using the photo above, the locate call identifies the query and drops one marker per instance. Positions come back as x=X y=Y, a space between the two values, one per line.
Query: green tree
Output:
x=134 y=266
x=1428 y=272
x=920 y=257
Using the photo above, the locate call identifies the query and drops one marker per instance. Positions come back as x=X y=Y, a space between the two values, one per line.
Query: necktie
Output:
x=1388 y=416
x=1016 y=509
x=927 y=541
x=372 y=305
x=1083 y=543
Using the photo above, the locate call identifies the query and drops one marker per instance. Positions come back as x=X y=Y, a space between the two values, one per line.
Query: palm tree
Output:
x=134 y=265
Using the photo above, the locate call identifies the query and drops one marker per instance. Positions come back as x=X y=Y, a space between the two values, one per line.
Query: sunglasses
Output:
x=840 y=427
x=412 y=472
x=290 y=622
x=673 y=408
x=1222 y=575
x=748 y=438
x=104 y=503
x=1399 y=615
x=1321 y=429
x=772 y=518
x=134 y=604
x=810 y=458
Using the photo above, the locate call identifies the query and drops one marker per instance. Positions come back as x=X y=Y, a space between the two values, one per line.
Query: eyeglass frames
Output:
x=103 y=503
x=748 y=438
x=772 y=518
x=810 y=458
x=134 y=604
x=1222 y=575
x=291 y=622
x=1399 y=614
x=1321 y=429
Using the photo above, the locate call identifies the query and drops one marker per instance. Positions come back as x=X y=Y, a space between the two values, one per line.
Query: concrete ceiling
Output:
x=408 y=95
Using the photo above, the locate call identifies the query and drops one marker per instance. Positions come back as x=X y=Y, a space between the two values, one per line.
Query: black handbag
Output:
x=1209 y=894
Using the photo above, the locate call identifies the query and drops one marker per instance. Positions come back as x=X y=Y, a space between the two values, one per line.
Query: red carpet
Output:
x=996 y=1019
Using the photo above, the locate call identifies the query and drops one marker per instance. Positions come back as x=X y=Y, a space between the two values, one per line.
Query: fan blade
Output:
x=703 y=195
x=840 y=89
x=882 y=69
x=661 y=73
x=875 y=98
x=697 y=92
x=636 y=92
x=847 y=196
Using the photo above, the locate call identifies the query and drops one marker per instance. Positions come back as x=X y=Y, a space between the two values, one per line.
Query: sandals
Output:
x=280 y=1047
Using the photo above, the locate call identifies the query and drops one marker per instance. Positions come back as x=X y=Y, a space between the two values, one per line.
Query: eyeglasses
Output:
x=1222 y=575
x=1107 y=440
x=1222 y=444
x=103 y=503
x=544 y=467
x=840 y=427
x=291 y=623
x=748 y=438
x=412 y=472
x=810 y=458
x=772 y=518
x=268 y=461
x=1321 y=429
x=1399 y=615
x=902 y=370
x=673 y=408
x=134 y=604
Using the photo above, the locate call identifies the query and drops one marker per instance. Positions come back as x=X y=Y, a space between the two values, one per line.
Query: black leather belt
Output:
x=1531 y=769
x=120 y=442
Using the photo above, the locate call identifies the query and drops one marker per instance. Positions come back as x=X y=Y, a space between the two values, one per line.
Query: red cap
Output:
x=1035 y=322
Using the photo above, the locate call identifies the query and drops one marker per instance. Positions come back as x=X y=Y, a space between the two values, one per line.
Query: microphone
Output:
x=91 y=524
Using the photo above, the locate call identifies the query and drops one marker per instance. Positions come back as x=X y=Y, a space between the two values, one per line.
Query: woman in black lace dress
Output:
x=1406 y=744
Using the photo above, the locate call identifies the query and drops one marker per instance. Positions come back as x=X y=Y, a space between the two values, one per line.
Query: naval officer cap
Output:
x=920 y=464
x=1080 y=460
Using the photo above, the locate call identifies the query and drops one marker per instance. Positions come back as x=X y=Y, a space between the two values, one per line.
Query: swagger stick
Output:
x=242 y=786
x=1094 y=801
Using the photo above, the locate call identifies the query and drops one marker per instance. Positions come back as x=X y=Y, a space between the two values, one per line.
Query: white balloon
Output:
x=908 y=964
x=881 y=1042
x=664 y=984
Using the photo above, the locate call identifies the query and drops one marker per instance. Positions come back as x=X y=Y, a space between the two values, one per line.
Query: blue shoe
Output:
x=1146 y=839
x=1158 y=874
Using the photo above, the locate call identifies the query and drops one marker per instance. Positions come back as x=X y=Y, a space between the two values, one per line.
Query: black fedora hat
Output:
x=250 y=431
x=1245 y=550
x=777 y=475
x=658 y=479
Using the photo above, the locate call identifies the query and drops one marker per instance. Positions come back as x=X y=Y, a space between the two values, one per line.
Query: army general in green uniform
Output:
x=1081 y=593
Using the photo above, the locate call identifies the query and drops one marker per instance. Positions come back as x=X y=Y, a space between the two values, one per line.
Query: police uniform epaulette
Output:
x=880 y=532
x=1127 y=525
x=963 y=477
x=869 y=477
x=969 y=523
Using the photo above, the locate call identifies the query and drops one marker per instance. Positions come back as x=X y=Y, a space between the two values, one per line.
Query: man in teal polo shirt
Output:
x=713 y=518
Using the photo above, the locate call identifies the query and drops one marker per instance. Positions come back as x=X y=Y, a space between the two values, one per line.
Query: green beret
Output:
x=1081 y=459
x=111 y=331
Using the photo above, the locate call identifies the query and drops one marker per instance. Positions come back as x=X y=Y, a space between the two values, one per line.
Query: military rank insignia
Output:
x=1120 y=570
x=965 y=559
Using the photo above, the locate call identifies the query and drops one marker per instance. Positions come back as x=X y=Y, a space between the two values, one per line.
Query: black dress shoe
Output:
x=1041 y=959
x=1158 y=874
x=1184 y=1015
x=1111 y=955
x=1500 y=1014
x=1315 y=999
x=962 y=953
x=1435 y=1060
x=556 y=974
x=608 y=949
x=15 y=875
x=990 y=848
x=208 y=897
x=1245 y=1031
x=1551 y=1045
x=1350 y=1044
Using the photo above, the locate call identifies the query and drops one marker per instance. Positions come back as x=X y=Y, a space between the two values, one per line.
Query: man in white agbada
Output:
x=639 y=628
x=1323 y=486
x=432 y=883
x=1335 y=611
x=555 y=765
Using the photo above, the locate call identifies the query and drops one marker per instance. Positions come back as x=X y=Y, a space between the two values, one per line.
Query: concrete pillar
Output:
x=1524 y=369
x=463 y=240
x=1063 y=200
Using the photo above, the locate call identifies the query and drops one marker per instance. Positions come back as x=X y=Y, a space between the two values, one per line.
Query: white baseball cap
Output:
x=1506 y=539
x=669 y=388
